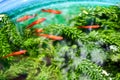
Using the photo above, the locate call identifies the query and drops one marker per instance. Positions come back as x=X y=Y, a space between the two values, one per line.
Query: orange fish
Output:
x=51 y=36
x=25 y=18
x=38 y=30
x=36 y=22
x=16 y=53
x=91 y=26
x=51 y=11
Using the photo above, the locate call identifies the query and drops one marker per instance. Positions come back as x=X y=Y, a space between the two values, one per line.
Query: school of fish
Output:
x=39 y=31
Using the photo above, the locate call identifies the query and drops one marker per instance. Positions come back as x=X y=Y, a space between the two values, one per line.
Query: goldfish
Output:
x=16 y=53
x=36 y=22
x=25 y=18
x=91 y=26
x=51 y=36
x=51 y=11
x=38 y=30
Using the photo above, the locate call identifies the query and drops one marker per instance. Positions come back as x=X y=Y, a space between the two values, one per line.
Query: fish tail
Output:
x=29 y=26
x=6 y=56
x=44 y=35
x=35 y=15
x=18 y=20
x=43 y=10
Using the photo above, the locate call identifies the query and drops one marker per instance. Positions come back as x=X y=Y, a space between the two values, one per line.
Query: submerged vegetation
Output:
x=88 y=54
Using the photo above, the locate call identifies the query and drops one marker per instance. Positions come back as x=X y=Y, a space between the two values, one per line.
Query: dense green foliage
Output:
x=83 y=54
x=106 y=37
x=8 y=37
x=108 y=18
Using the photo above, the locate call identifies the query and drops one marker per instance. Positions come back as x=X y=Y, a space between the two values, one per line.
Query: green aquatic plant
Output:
x=105 y=38
x=35 y=68
x=81 y=55
x=102 y=40
x=94 y=71
x=107 y=18
x=71 y=33
x=9 y=37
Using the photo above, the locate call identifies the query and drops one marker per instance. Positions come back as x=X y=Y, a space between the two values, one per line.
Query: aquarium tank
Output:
x=59 y=39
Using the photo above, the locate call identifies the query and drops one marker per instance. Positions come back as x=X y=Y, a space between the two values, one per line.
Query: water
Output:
x=68 y=8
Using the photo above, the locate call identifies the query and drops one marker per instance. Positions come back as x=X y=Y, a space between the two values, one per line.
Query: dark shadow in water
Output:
x=20 y=77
